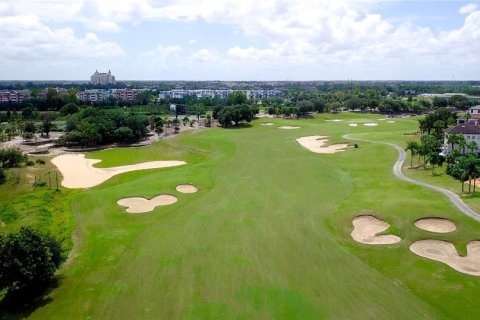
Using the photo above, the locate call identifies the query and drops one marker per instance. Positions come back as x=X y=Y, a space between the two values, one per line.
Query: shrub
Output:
x=40 y=161
x=11 y=157
x=39 y=184
x=30 y=163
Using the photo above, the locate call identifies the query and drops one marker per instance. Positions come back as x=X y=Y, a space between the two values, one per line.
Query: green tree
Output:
x=454 y=139
x=68 y=109
x=46 y=126
x=28 y=260
x=236 y=98
x=158 y=123
x=413 y=146
x=3 y=176
x=434 y=158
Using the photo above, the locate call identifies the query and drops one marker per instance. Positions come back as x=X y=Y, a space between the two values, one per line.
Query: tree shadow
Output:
x=21 y=304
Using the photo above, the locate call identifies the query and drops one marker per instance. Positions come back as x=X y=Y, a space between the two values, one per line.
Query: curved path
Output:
x=397 y=170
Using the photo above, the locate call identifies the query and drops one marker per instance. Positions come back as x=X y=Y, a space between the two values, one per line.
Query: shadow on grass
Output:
x=240 y=126
x=21 y=304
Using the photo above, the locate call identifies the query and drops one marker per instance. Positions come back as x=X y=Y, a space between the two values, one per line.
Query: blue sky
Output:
x=240 y=40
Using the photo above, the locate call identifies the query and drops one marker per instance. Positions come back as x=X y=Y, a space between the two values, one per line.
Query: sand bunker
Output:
x=141 y=205
x=381 y=119
x=445 y=252
x=288 y=127
x=79 y=172
x=353 y=125
x=436 y=225
x=334 y=120
x=267 y=124
x=186 y=188
x=390 y=121
x=365 y=229
x=318 y=144
x=370 y=124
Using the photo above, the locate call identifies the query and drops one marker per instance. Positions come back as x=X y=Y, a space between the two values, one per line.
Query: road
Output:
x=397 y=170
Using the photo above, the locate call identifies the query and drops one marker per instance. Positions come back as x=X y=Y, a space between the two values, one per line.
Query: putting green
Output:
x=267 y=238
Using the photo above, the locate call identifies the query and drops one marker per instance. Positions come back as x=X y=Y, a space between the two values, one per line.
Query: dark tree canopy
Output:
x=27 y=259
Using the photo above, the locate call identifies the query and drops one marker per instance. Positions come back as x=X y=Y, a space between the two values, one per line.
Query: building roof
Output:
x=474 y=108
x=464 y=128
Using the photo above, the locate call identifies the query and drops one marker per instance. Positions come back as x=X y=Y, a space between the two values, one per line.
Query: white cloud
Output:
x=206 y=56
x=26 y=39
x=162 y=56
x=283 y=34
x=469 y=8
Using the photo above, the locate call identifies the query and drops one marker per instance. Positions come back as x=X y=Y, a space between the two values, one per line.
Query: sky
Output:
x=257 y=40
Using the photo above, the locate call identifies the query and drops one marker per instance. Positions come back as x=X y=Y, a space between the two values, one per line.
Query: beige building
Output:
x=102 y=78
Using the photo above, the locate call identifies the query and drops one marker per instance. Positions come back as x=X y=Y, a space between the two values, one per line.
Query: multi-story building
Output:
x=102 y=78
x=94 y=95
x=223 y=93
x=14 y=95
x=126 y=94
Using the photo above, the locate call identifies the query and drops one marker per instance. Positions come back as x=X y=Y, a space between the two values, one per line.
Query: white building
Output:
x=102 y=78
x=94 y=95
x=470 y=130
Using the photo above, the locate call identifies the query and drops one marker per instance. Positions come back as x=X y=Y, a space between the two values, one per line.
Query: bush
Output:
x=30 y=163
x=28 y=260
x=3 y=176
x=11 y=157
x=124 y=134
x=40 y=161
x=39 y=184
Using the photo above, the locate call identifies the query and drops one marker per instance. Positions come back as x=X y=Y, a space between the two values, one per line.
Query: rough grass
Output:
x=266 y=236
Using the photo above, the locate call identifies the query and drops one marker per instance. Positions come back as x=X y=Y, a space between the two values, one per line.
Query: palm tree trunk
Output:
x=463 y=185
x=469 y=184
x=411 y=159
x=474 y=182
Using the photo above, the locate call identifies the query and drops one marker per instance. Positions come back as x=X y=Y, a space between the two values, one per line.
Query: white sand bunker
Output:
x=353 y=124
x=288 y=128
x=318 y=144
x=390 y=121
x=381 y=119
x=334 y=120
x=79 y=172
x=445 y=252
x=267 y=124
x=370 y=124
x=141 y=205
x=365 y=229
x=186 y=188
x=436 y=225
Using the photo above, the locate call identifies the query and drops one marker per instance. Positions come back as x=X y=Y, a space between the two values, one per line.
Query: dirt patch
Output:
x=437 y=225
x=267 y=124
x=79 y=172
x=370 y=124
x=186 y=188
x=445 y=252
x=142 y=205
x=366 y=228
x=319 y=144
x=288 y=128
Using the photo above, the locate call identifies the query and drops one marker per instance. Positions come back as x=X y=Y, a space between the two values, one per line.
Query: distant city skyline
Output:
x=232 y=40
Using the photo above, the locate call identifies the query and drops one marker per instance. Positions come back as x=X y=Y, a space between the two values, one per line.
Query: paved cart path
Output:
x=397 y=170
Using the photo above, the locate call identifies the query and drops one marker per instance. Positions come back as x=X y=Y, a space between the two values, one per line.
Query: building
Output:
x=94 y=95
x=102 y=78
x=127 y=94
x=14 y=95
x=474 y=112
x=470 y=130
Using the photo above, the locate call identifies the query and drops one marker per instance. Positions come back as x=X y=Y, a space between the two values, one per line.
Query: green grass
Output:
x=266 y=236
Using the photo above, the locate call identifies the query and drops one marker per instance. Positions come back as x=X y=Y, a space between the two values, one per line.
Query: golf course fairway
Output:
x=267 y=235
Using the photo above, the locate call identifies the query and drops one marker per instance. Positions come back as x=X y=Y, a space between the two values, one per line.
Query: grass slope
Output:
x=266 y=237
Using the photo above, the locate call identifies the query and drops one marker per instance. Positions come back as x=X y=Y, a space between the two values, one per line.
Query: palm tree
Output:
x=413 y=146
x=454 y=139
x=462 y=143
